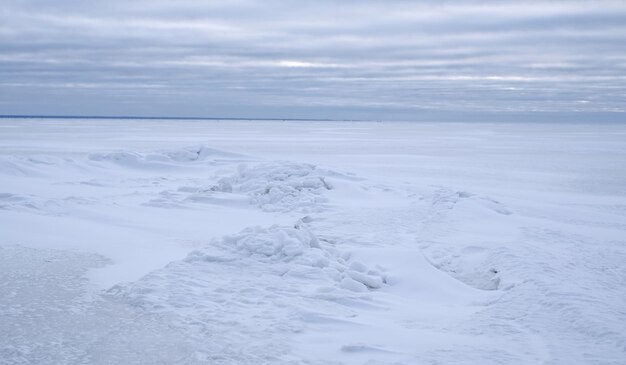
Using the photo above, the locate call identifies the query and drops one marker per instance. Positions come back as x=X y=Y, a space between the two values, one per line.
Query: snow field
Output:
x=475 y=245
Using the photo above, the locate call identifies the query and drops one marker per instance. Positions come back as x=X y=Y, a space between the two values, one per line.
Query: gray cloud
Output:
x=311 y=59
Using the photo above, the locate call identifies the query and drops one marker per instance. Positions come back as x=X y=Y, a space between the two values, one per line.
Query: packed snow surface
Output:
x=256 y=242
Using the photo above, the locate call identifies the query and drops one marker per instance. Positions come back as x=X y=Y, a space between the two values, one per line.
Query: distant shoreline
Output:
x=423 y=117
x=165 y=118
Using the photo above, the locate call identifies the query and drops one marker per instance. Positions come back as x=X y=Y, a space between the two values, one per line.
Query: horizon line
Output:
x=427 y=116
x=48 y=116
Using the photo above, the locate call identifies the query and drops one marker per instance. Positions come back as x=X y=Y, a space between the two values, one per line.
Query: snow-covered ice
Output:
x=252 y=242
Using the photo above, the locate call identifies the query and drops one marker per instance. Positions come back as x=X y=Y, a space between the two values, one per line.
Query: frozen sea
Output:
x=303 y=242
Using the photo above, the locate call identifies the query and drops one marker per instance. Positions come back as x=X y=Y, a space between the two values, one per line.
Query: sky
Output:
x=348 y=59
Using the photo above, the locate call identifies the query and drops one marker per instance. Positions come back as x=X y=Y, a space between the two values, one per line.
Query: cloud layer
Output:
x=311 y=59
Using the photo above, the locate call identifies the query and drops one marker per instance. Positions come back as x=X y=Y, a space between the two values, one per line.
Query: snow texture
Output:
x=188 y=242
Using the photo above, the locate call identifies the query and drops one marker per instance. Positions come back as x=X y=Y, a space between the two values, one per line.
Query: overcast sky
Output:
x=311 y=59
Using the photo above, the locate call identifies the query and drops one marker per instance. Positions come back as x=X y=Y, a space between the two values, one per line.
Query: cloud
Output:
x=198 y=58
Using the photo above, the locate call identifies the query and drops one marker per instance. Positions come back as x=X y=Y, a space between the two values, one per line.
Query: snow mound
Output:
x=251 y=290
x=35 y=204
x=471 y=261
x=188 y=154
x=117 y=156
x=275 y=243
x=280 y=186
x=34 y=165
x=254 y=260
x=297 y=252
x=195 y=153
